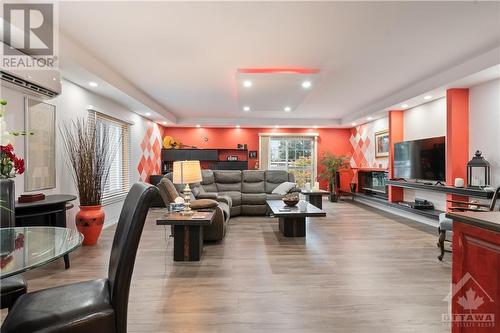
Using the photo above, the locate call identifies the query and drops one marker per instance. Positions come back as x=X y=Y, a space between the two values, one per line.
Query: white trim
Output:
x=93 y=108
x=289 y=134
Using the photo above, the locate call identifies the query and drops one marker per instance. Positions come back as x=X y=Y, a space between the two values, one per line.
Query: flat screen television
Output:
x=421 y=159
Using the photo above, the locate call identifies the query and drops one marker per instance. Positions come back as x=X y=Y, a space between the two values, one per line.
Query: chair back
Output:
x=494 y=199
x=124 y=249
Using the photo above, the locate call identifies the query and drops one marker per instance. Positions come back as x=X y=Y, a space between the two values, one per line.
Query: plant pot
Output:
x=333 y=197
x=8 y=203
x=89 y=221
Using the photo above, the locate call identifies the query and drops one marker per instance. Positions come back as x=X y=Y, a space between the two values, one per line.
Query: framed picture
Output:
x=382 y=144
x=252 y=154
x=40 y=149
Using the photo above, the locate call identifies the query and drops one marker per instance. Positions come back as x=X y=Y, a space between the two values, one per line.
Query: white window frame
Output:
x=314 y=156
x=125 y=152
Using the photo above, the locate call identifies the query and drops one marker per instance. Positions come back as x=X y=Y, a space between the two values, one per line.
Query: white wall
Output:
x=426 y=121
x=484 y=124
x=71 y=104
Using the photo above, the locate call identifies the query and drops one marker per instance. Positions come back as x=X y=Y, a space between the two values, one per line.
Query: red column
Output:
x=457 y=136
x=396 y=134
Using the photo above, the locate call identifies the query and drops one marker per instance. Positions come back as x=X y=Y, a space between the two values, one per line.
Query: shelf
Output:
x=380 y=190
x=468 y=192
x=429 y=213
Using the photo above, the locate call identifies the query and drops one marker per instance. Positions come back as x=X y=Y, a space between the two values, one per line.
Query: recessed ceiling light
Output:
x=428 y=97
x=246 y=108
x=148 y=113
x=315 y=126
x=93 y=84
x=198 y=125
x=276 y=126
x=306 y=84
x=247 y=83
x=288 y=109
x=353 y=124
x=404 y=105
x=237 y=126
x=164 y=122
x=369 y=118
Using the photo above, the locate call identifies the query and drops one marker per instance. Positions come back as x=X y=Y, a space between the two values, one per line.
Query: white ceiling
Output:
x=180 y=59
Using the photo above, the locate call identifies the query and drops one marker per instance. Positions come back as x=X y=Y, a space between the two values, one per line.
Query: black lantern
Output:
x=478 y=171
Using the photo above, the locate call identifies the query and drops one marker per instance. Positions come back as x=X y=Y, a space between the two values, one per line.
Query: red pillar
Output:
x=457 y=136
x=396 y=134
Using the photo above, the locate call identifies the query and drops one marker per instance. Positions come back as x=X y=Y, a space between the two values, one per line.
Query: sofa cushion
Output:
x=208 y=181
x=253 y=198
x=203 y=203
x=227 y=176
x=274 y=178
x=253 y=176
x=253 y=209
x=235 y=197
x=283 y=188
x=167 y=190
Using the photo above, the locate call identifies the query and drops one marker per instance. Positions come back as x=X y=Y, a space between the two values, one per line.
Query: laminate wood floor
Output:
x=358 y=270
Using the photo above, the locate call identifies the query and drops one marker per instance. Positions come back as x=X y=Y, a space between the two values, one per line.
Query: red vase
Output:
x=89 y=222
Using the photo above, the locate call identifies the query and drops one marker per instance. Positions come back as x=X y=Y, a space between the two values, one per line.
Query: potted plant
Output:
x=10 y=166
x=89 y=153
x=331 y=165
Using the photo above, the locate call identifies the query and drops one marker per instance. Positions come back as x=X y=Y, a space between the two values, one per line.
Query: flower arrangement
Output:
x=10 y=164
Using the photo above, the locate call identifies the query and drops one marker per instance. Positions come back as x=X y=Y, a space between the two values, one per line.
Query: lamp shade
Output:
x=186 y=172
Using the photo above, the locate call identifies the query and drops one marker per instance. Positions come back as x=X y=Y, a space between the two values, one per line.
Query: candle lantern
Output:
x=478 y=171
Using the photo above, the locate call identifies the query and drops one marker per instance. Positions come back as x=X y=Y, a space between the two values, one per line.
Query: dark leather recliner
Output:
x=97 y=306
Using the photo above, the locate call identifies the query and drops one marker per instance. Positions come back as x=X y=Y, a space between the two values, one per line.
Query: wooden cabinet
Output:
x=475 y=294
x=210 y=158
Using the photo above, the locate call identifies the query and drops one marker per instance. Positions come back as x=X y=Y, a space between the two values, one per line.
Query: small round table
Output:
x=25 y=248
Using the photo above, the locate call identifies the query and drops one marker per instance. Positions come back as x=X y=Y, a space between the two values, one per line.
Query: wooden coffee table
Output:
x=315 y=197
x=188 y=234
x=292 y=222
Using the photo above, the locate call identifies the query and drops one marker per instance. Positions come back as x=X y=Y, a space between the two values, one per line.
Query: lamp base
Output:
x=187 y=201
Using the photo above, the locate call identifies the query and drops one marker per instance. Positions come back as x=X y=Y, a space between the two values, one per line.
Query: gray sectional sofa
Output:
x=248 y=189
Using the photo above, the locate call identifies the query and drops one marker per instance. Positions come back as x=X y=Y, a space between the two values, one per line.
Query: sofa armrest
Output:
x=207 y=195
x=225 y=199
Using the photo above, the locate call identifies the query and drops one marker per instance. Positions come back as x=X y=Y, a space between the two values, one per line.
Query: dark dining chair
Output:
x=97 y=306
x=11 y=289
x=446 y=224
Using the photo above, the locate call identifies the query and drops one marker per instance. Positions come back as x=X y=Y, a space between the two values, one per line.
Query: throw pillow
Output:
x=284 y=188
x=203 y=203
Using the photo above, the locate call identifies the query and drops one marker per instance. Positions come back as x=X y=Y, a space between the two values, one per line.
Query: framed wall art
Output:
x=382 y=144
x=40 y=149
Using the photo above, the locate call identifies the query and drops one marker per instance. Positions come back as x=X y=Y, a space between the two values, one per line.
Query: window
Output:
x=295 y=155
x=118 y=183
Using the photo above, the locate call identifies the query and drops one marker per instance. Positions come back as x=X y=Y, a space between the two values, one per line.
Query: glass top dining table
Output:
x=25 y=248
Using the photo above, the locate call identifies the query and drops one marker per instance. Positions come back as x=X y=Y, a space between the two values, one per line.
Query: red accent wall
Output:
x=332 y=140
x=396 y=134
x=457 y=136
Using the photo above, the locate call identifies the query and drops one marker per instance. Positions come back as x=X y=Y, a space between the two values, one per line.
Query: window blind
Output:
x=118 y=132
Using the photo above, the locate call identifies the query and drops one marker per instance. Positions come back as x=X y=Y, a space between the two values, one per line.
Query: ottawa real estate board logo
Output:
x=29 y=38
x=470 y=305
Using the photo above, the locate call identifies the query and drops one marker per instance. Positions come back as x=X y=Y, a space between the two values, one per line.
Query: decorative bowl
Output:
x=291 y=200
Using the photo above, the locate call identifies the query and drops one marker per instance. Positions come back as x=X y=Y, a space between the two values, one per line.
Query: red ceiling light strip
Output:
x=278 y=70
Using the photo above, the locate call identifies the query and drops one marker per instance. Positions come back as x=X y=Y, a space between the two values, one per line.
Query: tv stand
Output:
x=468 y=192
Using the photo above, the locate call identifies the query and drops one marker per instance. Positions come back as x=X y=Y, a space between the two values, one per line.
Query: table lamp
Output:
x=186 y=172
